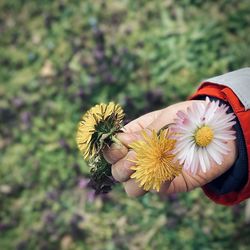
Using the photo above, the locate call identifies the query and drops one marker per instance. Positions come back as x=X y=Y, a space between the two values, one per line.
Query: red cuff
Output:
x=226 y=94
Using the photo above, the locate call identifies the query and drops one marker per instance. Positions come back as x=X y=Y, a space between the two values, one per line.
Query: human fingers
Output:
x=132 y=188
x=115 y=152
x=133 y=131
x=121 y=170
x=151 y=121
x=187 y=182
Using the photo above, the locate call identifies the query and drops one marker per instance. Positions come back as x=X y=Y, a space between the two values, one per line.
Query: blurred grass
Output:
x=58 y=58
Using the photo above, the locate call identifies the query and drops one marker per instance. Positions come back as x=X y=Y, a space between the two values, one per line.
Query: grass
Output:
x=57 y=59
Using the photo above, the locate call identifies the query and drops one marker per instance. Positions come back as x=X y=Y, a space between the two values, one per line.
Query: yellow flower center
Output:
x=203 y=136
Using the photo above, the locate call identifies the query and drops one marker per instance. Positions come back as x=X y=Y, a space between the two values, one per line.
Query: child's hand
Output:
x=117 y=155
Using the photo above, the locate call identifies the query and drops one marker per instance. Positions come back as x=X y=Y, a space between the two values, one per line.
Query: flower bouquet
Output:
x=197 y=140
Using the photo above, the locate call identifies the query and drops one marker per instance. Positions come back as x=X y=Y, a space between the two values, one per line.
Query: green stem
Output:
x=115 y=140
x=164 y=127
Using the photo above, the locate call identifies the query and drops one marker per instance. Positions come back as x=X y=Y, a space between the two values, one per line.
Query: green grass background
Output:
x=57 y=59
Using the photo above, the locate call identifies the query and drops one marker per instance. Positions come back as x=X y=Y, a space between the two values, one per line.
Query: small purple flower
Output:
x=173 y=197
x=63 y=143
x=83 y=183
x=80 y=93
x=17 y=102
x=99 y=55
x=4 y=226
x=26 y=119
x=109 y=79
x=91 y=196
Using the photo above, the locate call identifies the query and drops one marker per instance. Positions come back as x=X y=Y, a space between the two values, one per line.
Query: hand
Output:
x=117 y=155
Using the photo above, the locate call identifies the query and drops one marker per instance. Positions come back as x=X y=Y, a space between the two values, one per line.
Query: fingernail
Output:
x=131 y=155
x=125 y=138
x=116 y=146
x=120 y=136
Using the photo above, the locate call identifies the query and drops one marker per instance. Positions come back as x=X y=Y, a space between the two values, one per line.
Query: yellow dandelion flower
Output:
x=154 y=163
x=96 y=125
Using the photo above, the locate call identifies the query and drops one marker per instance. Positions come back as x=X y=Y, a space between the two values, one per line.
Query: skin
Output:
x=117 y=155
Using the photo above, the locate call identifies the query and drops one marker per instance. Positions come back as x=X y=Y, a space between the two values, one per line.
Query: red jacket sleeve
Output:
x=226 y=94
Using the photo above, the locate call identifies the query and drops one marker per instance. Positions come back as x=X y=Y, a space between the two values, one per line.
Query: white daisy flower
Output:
x=202 y=134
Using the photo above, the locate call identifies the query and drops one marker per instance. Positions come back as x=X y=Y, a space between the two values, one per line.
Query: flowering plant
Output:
x=155 y=163
x=202 y=133
x=96 y=130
